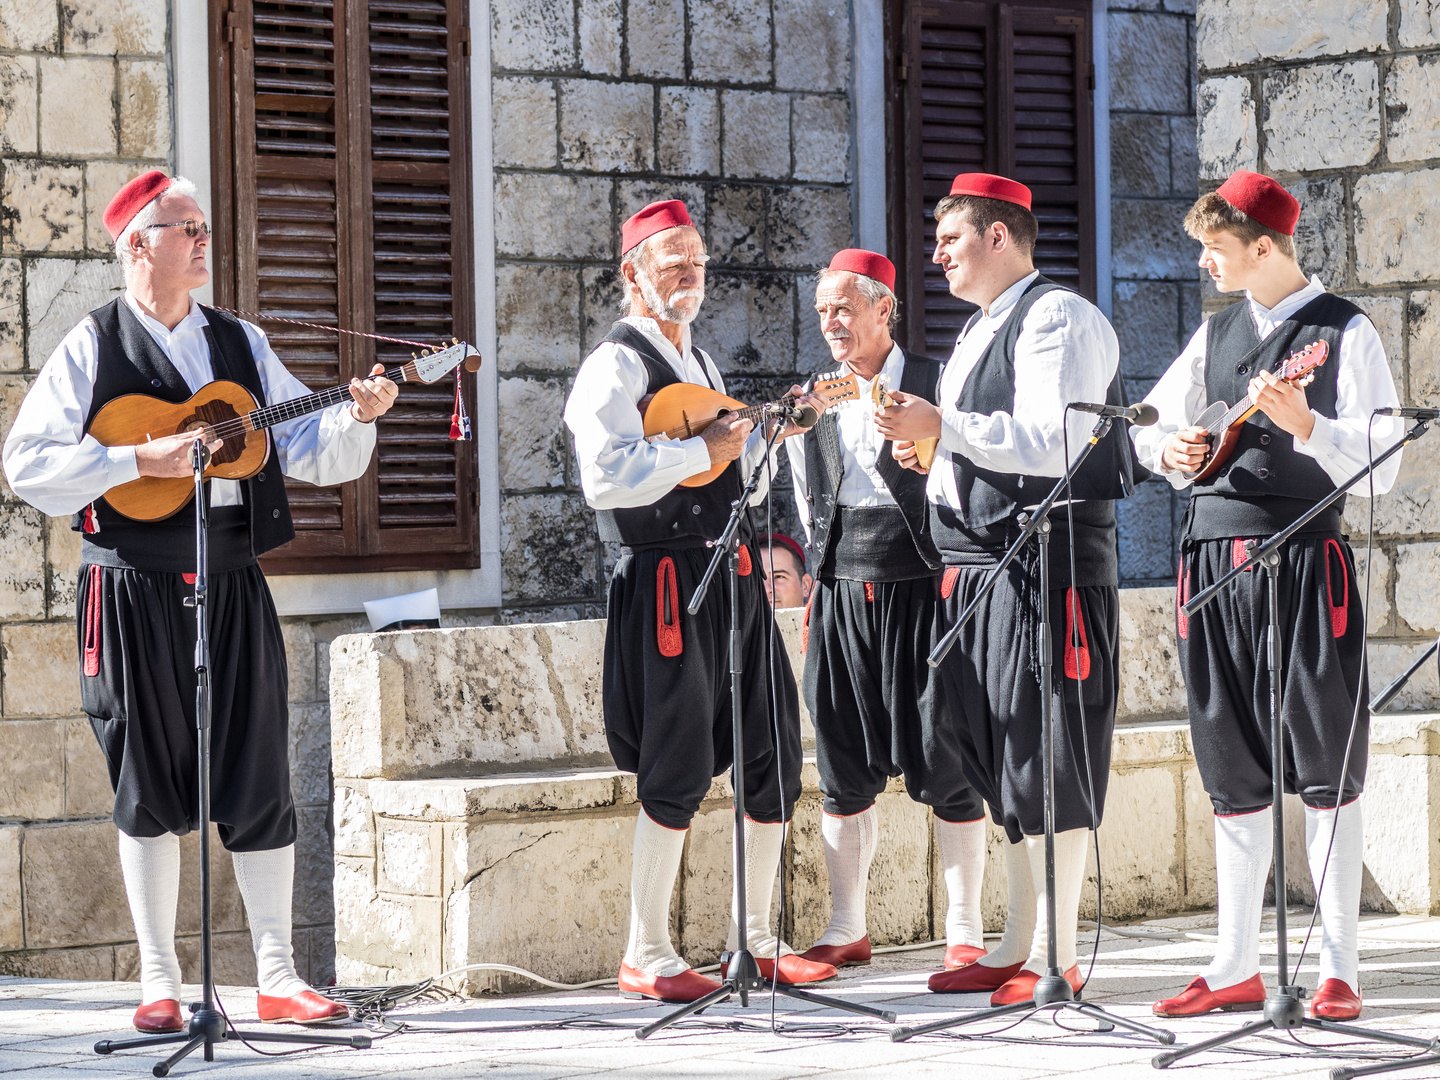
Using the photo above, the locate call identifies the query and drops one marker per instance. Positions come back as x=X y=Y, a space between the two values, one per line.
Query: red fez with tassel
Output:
x=131 y=199
x=989 y=186
x=867 y=264
x=657 y=217
x=1262 y=199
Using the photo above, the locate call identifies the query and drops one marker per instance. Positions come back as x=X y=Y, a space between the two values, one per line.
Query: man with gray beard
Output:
x=666 y=687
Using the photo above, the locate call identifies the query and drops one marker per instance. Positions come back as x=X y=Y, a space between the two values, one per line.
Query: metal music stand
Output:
x=1284 y=1006
x=1052 y=991
x=742 y=974
x=208 y=1025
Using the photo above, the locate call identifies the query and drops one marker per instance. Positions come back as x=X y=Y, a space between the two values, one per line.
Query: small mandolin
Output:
x=684 y=410
x=1223 y=422
x=880 y=393
x=226 y=411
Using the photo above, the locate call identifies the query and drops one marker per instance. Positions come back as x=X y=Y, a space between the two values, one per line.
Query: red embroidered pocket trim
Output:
x=1182 y=595
x=1077 y=661
x=94 y=595
x=947 y=583
x=744 y=561
x=189 y=579
x=1339 y=616
x=869 y=592
x=805 y=624
x=1238 y=554
x=667 y=615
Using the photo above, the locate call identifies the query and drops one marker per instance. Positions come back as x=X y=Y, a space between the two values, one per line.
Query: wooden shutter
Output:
x=991 y=87
x=341 y=135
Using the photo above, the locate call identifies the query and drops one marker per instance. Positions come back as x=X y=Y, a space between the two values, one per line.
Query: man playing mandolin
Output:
x=667 y=683
x=137 y=639
x=1293 y=452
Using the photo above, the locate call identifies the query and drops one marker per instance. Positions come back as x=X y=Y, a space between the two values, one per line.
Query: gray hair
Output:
x=144 y=221
x=873 y=291
x=639 y=258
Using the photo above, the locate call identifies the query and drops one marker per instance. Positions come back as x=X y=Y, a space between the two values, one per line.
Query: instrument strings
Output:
x=269 y=415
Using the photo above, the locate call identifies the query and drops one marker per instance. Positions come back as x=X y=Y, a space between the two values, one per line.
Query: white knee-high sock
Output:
x=1070 y=849
x=1339 y=897
x=1019 y=933
x=652 y=879
x=266 y=880
x=961 y=845
x=151 y=867
x=849 y=842
x=1244 y=846
x=762 y=861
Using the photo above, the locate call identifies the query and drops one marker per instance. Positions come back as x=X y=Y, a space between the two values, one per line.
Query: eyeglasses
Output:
x=191 y=226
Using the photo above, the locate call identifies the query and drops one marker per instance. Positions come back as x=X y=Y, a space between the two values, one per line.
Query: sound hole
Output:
x=209 y=414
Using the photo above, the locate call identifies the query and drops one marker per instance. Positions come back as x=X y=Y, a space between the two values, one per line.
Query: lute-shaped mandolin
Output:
x=226 y=411
x=880 y=393
x=1223 y=422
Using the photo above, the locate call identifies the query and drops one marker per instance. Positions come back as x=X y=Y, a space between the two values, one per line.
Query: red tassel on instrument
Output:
x=459 y=421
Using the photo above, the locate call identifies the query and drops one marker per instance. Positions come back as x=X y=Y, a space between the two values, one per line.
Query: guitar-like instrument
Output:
x=880 y=394
x=683 y=410
x=226 y=411
x=1223 y=422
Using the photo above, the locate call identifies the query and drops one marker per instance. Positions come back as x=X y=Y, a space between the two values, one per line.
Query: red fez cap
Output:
x=866 y=263
x=986 y=185
x=657 y=217
x=131 y=199
x=772 y=539
x=1263 y=199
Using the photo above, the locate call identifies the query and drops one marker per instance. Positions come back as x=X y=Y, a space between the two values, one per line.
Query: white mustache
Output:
x=838 y=335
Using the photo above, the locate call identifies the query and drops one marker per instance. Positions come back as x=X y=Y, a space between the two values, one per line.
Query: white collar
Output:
x=1291 y=304
x=651 y=328
x=1010 y=297
x=193 y=319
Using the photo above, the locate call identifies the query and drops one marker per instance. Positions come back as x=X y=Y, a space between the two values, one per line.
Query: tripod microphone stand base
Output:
x=208 y=1027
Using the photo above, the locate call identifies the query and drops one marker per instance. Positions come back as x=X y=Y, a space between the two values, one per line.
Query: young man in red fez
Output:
x=868 y=622
x=136 y=636
x=667 y=675
x=1293 y=452
x=1031 y=348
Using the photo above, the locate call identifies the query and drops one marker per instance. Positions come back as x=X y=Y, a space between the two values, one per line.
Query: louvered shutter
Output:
x=1003 y=88
x=342 y=136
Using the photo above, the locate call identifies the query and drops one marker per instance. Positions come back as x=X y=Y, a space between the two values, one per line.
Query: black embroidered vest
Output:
x=877 y=543
x=130 y=362
x=1265 y=485
x=684 y=516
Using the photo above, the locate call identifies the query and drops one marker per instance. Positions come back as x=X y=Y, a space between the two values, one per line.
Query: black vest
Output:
x=684 y=516
x=1265 y=485
x=130 y=362
x=993 y=501
x=875 y=543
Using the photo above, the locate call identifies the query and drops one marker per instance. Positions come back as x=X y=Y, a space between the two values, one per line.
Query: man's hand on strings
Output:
x=725 y=437
x=910 y=418
x=1185 y=451
x=373 y=396
x=169 y=456
x=800 y=399
x=1284 y=403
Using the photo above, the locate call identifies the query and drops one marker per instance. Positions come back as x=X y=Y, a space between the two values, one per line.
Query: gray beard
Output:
x=666 y=311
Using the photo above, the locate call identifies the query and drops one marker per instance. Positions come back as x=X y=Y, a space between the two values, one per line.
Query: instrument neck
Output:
x=270 y=415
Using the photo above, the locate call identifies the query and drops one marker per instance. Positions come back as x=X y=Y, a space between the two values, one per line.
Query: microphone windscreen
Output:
x=1145 y=415
x=808 y=416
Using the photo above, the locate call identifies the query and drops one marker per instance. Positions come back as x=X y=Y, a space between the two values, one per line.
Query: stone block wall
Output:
x=1338 y=101
x=740 y=108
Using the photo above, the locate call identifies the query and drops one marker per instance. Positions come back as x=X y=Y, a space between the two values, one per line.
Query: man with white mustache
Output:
x=666 y=686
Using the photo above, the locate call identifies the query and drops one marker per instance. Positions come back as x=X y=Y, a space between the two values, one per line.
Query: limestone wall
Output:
x=1338 y=101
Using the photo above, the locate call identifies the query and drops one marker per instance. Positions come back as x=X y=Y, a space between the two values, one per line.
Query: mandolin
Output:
x=684 y=410
x=1223 y=422
x=880 y=393
x=226 y=411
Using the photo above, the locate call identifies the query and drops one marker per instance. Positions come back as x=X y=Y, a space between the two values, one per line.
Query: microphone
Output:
x=199 y=455
x=1141 y=415
x=1410 y=414
x=804 y=416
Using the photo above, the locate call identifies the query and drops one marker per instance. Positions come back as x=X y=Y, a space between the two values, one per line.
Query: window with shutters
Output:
x=990 y=87
x=340 y=148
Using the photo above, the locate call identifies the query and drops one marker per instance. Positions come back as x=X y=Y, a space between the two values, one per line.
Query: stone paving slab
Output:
x=47 y=1027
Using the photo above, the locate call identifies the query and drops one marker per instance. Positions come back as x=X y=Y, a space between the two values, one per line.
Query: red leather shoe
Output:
x=1022 y=987
x=305 y=1008
x=1334 y=1000
x=838 y=956
x=795 y=970
x=959 y=956
x=1198 y=998
x=680 y=989
x=163 y=1017
x=972 y=979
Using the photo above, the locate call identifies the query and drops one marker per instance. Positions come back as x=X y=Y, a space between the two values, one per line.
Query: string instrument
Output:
x=880 y=394
x=1223 y=422
x=226 y=411
x=683 y=410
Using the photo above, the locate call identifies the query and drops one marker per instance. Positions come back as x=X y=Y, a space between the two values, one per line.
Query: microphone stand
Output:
x=742 y=974
x=1052 y=991
x=208 y=1025
x=1284 y=1008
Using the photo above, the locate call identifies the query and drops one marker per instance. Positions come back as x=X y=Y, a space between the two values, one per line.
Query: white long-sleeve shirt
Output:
x=860 y=446
x=57 y=468
x=1066 y=352
x=1364 y=383
x=619 y=467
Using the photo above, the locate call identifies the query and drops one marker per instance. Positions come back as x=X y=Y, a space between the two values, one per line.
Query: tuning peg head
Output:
x=454 y=341
x=414 y=357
